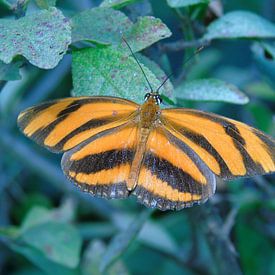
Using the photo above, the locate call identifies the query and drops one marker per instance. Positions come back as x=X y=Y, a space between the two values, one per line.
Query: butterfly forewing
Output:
x=101 y=165
x=228 y=147
x=172 y=175
x=63 y=124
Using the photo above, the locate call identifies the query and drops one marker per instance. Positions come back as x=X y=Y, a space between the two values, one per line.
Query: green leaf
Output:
x=58 y=242
x=42 y=37
x=107 y=26
x=122 y=241
x=10 y=71
x=38 y=258
x=104 y=71
x=210 y=90
x=38 y=215
x=185 y=3
x=145 y=32
x=100 y=25
x=5 y=6
x=240 y=24
x=45 y=4
x=117 y=4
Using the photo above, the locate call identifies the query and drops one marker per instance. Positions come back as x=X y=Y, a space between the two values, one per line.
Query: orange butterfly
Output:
x=168 y=158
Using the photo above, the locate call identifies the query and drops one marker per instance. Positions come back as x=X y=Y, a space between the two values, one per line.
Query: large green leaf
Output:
x=185 y=3
x=238 y=24
x=104 y=71
x=210 y=90
x=42 y=37
x=107 y=26
x=59 y=242
x=38 y=259
x=47 y=240
x=117 y=4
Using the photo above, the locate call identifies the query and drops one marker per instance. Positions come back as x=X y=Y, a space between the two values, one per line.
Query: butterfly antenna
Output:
x=164 y=81
x=194 y=54
x=138 y=63
x=186 y=61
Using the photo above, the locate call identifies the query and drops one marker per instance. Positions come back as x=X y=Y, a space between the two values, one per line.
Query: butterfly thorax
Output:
x=149 y=113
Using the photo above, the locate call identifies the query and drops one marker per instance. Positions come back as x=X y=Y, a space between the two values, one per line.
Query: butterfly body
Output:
x=148 y=117
x=167 y=158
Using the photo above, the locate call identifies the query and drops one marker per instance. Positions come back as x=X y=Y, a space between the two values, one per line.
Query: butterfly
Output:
x=167 y=158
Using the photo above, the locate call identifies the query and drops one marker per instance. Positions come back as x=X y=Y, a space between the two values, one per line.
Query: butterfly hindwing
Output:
x=228 y=147
x=63 y=124
x=172 y=175
x=101 y=165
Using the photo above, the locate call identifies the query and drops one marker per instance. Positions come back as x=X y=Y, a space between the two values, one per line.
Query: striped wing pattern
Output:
x=101 y=165
x=63 y=124
x=229 y=148
x=172 y=175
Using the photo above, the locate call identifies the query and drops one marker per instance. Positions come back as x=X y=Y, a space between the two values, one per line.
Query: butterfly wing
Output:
x=172 y=175
x=62 y=124
x=101 y=164
x=228 y=147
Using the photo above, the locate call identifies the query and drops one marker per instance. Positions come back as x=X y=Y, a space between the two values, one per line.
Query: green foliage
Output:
x=104 y=71
x=185 y=3
x=116 y=3
x=42 y=38
x=256 y=240
x=46 y=239
x=48 y=227
x=97 y=25
x=240 y=24
x=121 y=241
x=210 y=90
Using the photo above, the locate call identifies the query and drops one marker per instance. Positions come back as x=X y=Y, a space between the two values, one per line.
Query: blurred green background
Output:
x=47 y=226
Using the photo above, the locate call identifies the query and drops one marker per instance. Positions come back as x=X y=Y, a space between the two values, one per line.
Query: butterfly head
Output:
x=155 y=97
